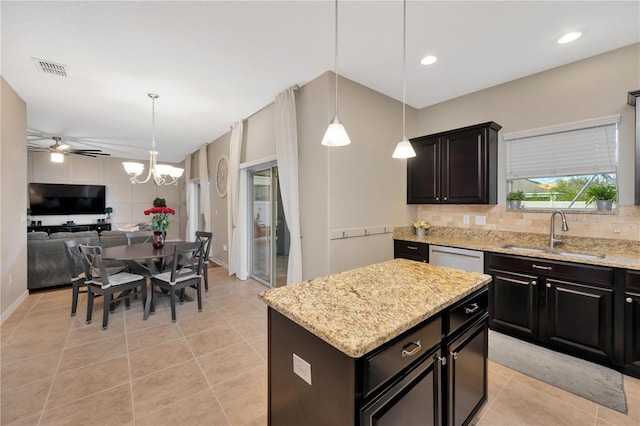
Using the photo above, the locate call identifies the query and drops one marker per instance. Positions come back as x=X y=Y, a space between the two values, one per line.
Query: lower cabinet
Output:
x=632 y=323
x=413 y=400
x=565 y=305
x=467 y=373
x=411 y=250
x=433 y=374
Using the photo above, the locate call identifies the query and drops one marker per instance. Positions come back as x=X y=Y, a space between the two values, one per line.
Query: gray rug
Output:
x=591 y=381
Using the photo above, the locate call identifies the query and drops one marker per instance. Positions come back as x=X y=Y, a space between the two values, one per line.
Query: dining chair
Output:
x=186 y=271
x=99 y=282
x=74 y=258
x=139 y=237
x=206 y=238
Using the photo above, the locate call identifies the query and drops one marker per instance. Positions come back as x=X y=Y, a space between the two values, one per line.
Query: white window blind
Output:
x=582 y=148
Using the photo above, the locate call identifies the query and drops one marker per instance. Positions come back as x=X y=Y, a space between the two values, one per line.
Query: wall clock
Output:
x=222 y=173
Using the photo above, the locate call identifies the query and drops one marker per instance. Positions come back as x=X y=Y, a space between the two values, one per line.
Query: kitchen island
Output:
x=398 y=342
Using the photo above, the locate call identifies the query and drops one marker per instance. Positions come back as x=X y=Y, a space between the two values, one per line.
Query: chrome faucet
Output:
x=552 y=233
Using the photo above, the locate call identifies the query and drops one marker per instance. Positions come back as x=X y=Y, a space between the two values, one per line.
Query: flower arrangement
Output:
x=160 y=212
x=421 y=224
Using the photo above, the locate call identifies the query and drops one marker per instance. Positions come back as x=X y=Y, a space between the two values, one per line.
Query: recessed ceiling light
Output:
x=428 y=60
x=569 y=37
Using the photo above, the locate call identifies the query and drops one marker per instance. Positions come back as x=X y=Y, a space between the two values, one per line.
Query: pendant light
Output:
x=404 y=148
x=336 y=135
x=163 y=174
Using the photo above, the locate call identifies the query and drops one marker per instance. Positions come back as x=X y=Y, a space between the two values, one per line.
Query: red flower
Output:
x=154 y=210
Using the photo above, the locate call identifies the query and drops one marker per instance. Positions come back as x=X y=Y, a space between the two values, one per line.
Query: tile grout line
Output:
x=55 y=374
x=224 y=412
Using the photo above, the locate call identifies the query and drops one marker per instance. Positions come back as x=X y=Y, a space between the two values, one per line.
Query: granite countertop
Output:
x=356 y=311
x=617 y=253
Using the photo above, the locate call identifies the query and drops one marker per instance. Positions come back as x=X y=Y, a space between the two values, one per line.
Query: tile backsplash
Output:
x=623 y=224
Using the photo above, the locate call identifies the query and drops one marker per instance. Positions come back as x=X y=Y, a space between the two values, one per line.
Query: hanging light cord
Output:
x=404 y=66
x=335 y=50
x=153 y=97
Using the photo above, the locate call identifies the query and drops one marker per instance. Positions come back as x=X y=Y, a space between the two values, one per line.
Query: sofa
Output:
x=47 y=259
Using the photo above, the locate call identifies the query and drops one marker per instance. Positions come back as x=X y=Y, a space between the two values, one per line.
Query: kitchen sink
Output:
x=556 y=252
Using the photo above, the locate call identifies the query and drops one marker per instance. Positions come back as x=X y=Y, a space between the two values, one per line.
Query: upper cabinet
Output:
x=455 y=167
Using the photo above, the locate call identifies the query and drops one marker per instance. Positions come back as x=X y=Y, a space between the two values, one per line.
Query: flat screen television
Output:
x=64 y=199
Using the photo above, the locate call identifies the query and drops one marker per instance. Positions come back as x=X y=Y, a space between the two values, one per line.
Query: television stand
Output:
x=51 y=229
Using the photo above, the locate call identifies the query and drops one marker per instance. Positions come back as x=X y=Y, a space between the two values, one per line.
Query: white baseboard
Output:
x=11 y=309
x=225 y=265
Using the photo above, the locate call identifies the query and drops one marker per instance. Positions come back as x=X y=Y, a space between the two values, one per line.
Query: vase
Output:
x=158 y=239
x=421 y=232
x=604 y=205
x=514 y=204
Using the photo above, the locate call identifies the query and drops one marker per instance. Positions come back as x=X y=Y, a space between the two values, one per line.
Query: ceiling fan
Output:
x=59 y=149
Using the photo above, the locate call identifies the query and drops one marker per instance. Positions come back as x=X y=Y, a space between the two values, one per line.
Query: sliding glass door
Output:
x=269 y=235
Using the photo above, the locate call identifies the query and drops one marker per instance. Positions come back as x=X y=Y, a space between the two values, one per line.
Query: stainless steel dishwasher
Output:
x=468 y=260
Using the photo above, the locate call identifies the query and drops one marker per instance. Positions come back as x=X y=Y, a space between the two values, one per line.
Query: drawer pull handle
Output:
x=629 y=300
x=546 y=268
x=412 y=247
x=534 y=282
x=413 y=351
x=548 y=285
x=454 y=355
x=471 y=309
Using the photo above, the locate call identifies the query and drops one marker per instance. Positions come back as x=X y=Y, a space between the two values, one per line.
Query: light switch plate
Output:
x=465 y=219
x=302 y=368
x=481 y=220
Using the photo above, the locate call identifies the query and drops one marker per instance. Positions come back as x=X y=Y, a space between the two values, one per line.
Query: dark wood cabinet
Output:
x=632 y=323
x=410 y=380
x=513 y=302
x=411 y=250
x=564 y=305
x=455 y=167
x=467 y=373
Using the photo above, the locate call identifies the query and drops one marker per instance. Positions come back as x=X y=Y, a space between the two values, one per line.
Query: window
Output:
x=555 y=166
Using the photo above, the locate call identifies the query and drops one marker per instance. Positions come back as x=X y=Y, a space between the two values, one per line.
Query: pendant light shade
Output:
x=336 y=135
x=404 y=148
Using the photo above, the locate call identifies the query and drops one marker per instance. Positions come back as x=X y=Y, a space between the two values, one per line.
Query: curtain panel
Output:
x=204 y=187
x=286 y=133
x=233 y=179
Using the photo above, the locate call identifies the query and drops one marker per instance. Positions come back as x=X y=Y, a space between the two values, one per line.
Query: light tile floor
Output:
x=208 y=368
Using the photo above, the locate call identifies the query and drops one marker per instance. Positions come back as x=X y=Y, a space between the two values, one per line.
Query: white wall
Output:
x=13 y=200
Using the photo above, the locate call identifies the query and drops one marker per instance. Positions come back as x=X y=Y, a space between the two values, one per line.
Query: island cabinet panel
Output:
x=432 y=374
x=563 y=305
x=455 y=167
x=467 y=372
x=632 y=323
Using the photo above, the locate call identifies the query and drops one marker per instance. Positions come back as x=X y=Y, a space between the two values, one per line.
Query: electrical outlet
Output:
x=481 y=220
x=224 y=247
x=10 y=278
x=465 y=219
x=302 y=368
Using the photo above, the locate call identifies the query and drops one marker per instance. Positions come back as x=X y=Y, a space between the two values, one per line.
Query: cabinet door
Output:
x=580 y=317
x=423 y=172
x=411 y=250
x=467 y=374
x=464 y=167
x=513 y=303
x=412 y=401
x=632 y=330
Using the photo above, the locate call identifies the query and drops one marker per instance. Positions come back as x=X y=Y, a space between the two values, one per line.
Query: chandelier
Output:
x=163 y=174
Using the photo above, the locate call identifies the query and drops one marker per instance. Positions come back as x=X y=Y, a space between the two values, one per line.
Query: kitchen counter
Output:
x=357 y=311
x=617 y=253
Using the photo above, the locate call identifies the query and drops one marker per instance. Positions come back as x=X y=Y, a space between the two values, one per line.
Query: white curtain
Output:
x=187 y=191
x=233 y=179
x=286 y=133
x=204 y=187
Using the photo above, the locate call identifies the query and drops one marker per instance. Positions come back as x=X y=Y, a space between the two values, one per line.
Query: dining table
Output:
x=142 y=259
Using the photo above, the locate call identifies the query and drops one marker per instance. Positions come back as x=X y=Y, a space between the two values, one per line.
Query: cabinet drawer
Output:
x=468 y=310
x=587 y=274
x=632 y=280
x=411 y=250
x=392 y=359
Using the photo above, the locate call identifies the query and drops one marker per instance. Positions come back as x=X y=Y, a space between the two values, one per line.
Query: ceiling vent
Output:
x=49 y=67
